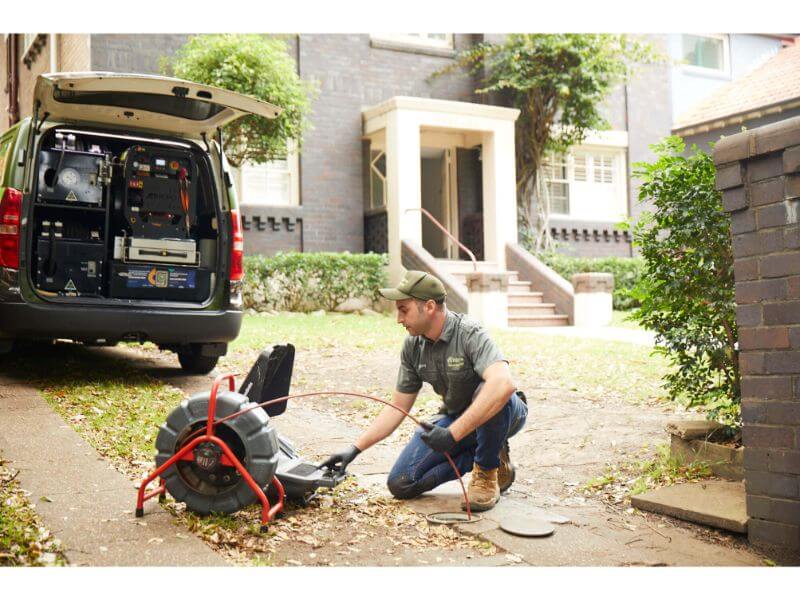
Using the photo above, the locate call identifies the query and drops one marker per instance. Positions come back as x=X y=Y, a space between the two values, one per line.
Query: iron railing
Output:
x=449 y=235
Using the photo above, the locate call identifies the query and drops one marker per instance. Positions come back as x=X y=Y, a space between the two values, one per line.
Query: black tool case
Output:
x=70 y=267
x=70 y=177
x=144 y=281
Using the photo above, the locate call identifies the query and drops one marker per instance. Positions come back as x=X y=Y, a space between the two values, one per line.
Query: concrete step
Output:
x=554 y=320
x=718 y=504
x=517 y=298
x=531 y=309
x=519 y=286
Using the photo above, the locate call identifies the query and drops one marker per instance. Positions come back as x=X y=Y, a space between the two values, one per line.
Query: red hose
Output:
x=425 y=426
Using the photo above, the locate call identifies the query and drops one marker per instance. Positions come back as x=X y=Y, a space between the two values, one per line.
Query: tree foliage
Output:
x=558 y=82
x=687 y=290
x=258 y=66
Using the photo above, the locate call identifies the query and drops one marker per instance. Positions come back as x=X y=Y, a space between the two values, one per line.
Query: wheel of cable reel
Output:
x=205 y=484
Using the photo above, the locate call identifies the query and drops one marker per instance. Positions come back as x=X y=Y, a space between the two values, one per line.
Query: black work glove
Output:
x=438 y=438
x=340 y=460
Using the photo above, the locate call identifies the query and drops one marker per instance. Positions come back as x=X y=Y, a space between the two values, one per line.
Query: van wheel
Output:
x=193 y=361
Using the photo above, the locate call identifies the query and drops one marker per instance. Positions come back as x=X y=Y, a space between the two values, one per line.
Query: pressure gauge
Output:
x=69 y=177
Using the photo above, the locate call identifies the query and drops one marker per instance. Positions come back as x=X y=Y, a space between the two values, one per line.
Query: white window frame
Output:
x=374 y=172
x=292 y=169
x=416 y=40
x=726 y=59
x=568 y=163
x=620 y=179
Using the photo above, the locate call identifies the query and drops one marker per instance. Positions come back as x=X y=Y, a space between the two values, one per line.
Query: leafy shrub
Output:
x=686 y=291
x=626 y=271
x=306 y=281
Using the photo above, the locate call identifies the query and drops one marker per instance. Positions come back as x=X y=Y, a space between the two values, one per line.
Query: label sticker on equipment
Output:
x=71 y=196
x=152 y=277
x=70 y=287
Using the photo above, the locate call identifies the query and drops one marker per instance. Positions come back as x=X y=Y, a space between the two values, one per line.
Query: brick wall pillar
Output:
x=758 y=173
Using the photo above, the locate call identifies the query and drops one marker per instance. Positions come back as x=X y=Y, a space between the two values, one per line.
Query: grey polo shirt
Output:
x=453 y=364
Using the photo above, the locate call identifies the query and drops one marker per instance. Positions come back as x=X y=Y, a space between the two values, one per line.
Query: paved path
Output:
x=639 y=337
x=89 y=505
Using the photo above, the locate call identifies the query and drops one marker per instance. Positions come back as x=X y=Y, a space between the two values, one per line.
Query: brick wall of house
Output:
x=353 y=74
x=133 y=52
x=758 y=172
x=27 y=78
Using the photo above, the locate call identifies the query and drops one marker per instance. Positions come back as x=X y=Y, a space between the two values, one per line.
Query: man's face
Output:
x=410 y=316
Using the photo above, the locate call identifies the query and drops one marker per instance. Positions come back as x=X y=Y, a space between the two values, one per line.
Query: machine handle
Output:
x=212 y=401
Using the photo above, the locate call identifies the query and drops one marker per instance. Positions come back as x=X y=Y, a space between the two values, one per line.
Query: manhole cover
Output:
x=446 y=518
x=526 y=526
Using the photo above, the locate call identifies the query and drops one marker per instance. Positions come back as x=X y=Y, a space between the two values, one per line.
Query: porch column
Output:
x=403 y=186
x=499 y=192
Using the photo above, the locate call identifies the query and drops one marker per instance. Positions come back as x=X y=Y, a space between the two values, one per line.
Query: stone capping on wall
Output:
x=758 y=173
x=416 y=258
x=482 y=281
x=590 y=283
x=555 y=289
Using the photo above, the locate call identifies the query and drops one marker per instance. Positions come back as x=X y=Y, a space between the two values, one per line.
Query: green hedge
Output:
x=627 y=273
x=307 y=281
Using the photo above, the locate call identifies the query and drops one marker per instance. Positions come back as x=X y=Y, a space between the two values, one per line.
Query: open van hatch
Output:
x=163 y=104
x=124 y=203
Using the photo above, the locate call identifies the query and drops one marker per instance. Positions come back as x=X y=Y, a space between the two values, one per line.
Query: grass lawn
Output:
x=589 y=366
x=622 y=318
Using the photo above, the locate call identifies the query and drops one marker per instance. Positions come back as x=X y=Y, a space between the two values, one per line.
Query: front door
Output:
x=439 y=198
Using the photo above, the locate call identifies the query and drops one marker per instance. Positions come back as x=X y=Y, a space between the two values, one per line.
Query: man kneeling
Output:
x=481 y=406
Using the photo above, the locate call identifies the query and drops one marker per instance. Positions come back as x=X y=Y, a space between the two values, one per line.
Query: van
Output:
x=118 y=217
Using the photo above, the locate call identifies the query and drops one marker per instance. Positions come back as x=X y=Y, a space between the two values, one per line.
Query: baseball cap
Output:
x=416 y=284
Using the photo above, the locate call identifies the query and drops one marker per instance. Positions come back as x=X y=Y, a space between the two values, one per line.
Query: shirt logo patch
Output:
x=455 y=362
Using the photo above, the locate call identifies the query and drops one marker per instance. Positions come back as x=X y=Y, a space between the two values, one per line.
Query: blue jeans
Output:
x=419 y=469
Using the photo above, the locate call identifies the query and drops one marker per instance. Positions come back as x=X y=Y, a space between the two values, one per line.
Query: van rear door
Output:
x=150 y=102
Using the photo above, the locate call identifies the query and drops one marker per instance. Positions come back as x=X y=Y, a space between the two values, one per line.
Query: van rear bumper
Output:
x=20 y=320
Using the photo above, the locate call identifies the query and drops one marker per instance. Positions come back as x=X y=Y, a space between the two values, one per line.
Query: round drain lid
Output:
x=447 y=518
x=526 y=526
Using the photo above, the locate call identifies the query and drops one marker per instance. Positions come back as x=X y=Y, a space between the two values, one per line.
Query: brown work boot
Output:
x=483 y=490
x=506 y=473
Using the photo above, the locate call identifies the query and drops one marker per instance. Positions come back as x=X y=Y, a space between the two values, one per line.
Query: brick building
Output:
x=328 y=197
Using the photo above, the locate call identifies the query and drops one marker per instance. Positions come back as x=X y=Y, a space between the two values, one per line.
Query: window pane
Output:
x=377 y=192
x=603 y=169
x=380 y=163
x=701 y=51
x=579 y=167
x=559 y=197
x=377 y=174
x=268 y=183
x=555 y=167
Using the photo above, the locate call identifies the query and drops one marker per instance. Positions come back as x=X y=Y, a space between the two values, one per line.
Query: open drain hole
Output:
x=447 y=518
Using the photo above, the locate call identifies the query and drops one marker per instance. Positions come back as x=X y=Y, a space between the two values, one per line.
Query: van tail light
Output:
x=10 y=215
x=237 y=247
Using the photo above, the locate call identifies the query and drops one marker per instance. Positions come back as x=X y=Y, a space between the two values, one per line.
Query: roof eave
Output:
x=734 y=119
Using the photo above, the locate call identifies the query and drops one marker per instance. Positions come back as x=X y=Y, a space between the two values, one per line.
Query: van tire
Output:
x=193 y=361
